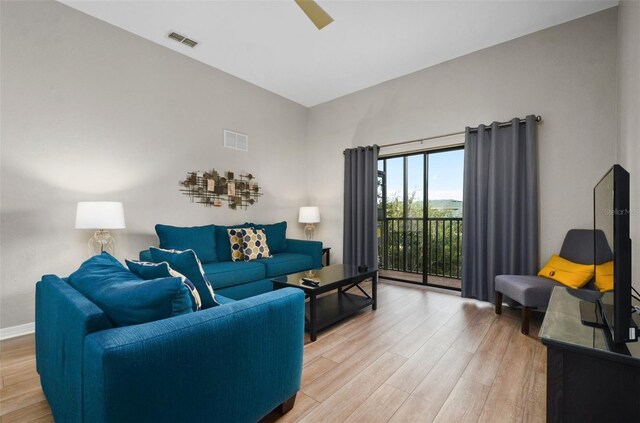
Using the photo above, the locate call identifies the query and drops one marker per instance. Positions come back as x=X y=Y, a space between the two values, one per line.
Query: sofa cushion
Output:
x=254 y=244
x=125 y=298
x=187 y=263
x=223 y=246
x=201 y=239
x=285 y=263
x=530 y=291
x=228 y=273
x=148 y=270
x=276 y=235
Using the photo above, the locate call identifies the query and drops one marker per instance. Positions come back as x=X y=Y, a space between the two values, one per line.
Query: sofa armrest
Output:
x=235 y=362
x=63 y=318
x=310 y=248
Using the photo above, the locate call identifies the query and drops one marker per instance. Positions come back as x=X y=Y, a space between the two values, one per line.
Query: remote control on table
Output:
x=310 y=282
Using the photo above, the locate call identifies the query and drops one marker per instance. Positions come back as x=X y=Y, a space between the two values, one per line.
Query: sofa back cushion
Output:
x=148 y=270
x=201 y=239
x=223 y=245
x=276 y=235
x=125 y=298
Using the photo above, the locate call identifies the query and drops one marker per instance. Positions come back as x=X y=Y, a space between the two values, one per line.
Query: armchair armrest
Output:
x=310 y=248
x=235 y=362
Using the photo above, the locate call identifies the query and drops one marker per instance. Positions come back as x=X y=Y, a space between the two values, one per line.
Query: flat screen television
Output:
x=611 y=217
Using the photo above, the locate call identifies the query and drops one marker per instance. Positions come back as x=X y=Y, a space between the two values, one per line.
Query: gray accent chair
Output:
x=533 y=292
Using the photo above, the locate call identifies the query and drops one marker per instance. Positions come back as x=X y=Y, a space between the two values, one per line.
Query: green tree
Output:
x=444 y=239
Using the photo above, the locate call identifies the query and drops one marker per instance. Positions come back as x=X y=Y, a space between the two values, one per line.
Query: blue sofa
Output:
x=232 y=363
x=240 y=279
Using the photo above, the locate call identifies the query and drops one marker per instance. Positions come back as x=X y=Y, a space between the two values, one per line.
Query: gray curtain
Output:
x=500 y=210
x=360 y=241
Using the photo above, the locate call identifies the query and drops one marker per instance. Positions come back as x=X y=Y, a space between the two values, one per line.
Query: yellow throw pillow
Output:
x=604 y=276
x=574 y=275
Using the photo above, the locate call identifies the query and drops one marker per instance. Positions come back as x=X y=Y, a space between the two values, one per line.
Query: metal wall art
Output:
x=212 y=189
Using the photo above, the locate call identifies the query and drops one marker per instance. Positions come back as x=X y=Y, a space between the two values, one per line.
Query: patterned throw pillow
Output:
x=148 y=270
x=187 y=263
x=235 y=238
x=254 y=244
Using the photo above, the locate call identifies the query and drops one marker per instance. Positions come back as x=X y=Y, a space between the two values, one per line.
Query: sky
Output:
x=445 y=175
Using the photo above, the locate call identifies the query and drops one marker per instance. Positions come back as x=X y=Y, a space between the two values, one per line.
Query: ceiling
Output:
x=272 y=44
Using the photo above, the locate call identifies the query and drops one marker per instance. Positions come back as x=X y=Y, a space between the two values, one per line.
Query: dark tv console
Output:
x=589 y=379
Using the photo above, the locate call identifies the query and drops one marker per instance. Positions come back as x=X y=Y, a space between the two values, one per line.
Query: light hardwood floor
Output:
x=423 y=356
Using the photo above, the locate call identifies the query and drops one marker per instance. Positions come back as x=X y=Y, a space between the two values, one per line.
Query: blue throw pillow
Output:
x=147 y=270
x=187 y=263
x=222 y=240
x=276 y=235
x=125 y=298
x=201 y=239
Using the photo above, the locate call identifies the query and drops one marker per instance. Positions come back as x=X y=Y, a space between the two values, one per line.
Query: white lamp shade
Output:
x=100 y=215
x=309 y=215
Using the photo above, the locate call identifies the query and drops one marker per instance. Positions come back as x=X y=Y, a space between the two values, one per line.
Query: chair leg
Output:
x=498 y=302
x=286 y=406
x=526 y=315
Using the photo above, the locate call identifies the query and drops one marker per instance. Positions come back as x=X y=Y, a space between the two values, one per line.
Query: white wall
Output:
x=565 y=73
x=91 y=112
x=628 y=151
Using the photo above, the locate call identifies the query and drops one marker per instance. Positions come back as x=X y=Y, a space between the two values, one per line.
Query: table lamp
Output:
x=100 y=215
x=309 y=215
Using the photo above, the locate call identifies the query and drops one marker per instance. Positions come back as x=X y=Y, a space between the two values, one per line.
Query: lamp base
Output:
x=101 y=241
x=309 y=231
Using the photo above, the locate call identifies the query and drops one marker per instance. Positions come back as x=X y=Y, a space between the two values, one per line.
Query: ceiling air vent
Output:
x=182 y=39
x=236 y=140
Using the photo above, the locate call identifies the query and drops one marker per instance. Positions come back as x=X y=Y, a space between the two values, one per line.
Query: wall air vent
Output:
x=236 y=140
x=182 y=39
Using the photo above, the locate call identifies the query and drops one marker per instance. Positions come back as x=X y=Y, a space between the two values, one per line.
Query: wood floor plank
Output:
x=315 y=369
x=464 y=404
x=19 y=388
x=18 y=367
x=536 y=395
x=380 y=406
x=419 y=336
x=506 y=400
x=485 y=363
x=439 y=382
x=14 y=378
x=355 y=392
x=27 y=414
x=19 y=401
x=409 y=376
x=315 y=349
x=330 y=382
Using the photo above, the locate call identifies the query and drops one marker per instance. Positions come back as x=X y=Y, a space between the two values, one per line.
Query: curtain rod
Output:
x=500 y=125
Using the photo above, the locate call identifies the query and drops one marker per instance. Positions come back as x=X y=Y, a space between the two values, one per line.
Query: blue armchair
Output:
x=235 y=362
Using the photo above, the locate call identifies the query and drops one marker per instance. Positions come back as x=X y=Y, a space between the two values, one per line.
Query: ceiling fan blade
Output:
x=318 y=16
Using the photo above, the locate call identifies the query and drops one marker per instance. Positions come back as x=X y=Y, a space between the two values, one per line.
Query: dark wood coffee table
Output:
x=331 y=308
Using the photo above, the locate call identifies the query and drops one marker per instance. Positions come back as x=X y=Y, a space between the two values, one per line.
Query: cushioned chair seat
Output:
x=534 y=291
x=229 y=273
x=286 y=263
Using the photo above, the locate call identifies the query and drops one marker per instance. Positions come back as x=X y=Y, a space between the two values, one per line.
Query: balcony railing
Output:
x=403 y=244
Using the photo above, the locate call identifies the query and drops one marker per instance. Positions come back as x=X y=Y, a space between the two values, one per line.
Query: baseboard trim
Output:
x=15 y=331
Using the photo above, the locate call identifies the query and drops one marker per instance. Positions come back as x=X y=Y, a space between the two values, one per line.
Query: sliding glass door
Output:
x=420 y=217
